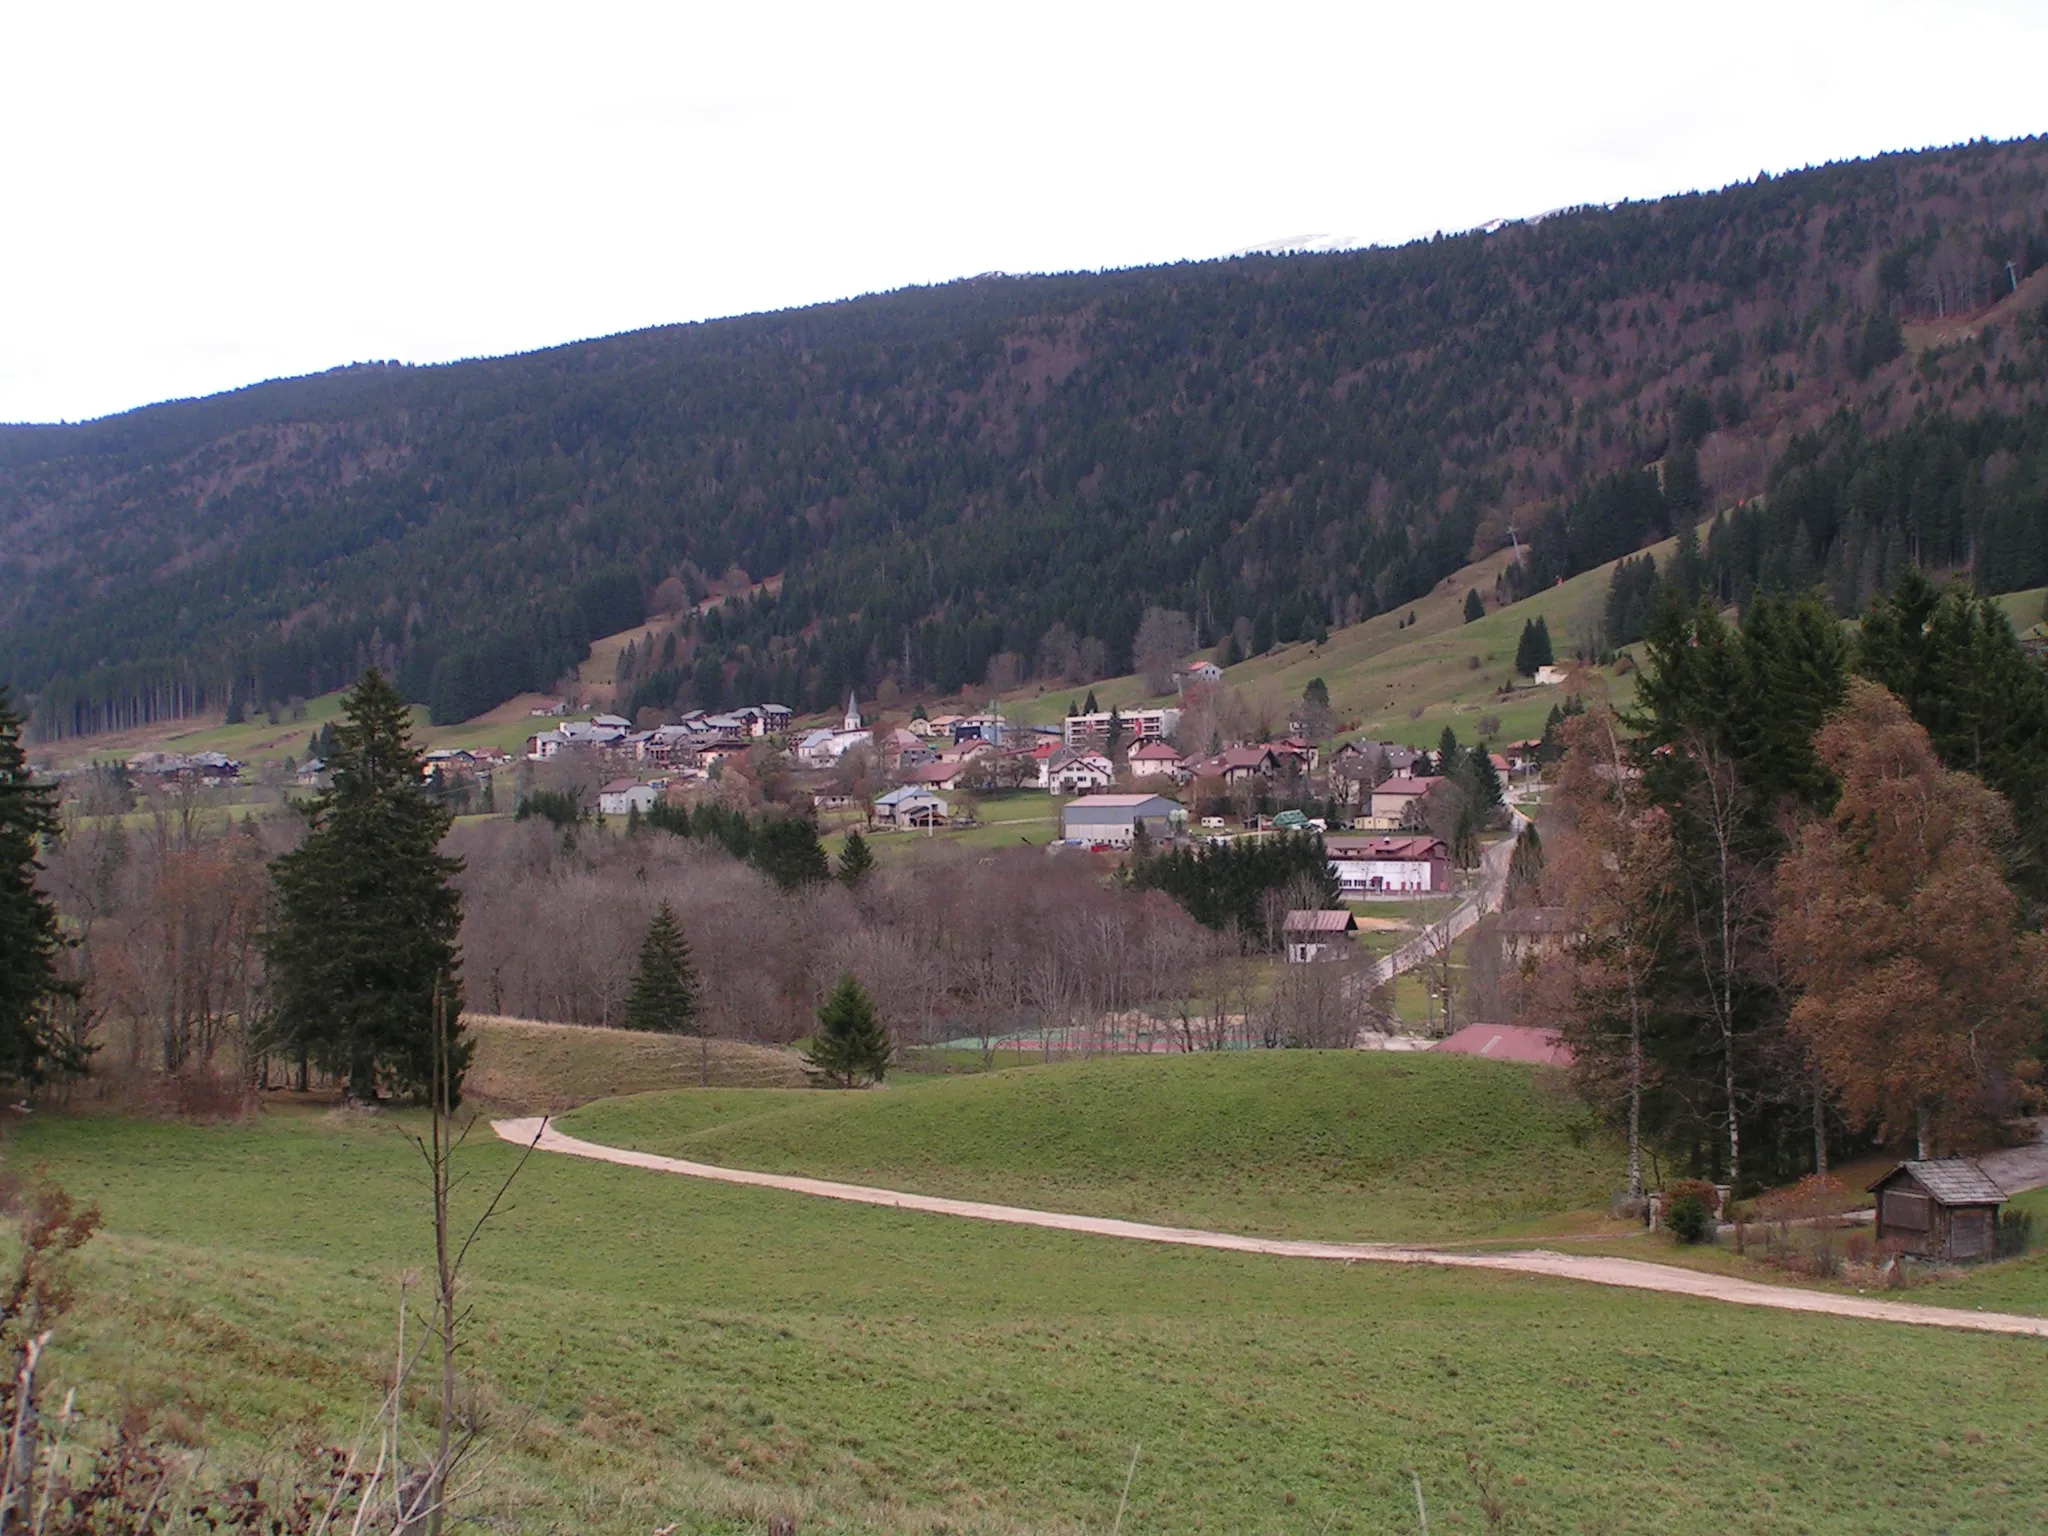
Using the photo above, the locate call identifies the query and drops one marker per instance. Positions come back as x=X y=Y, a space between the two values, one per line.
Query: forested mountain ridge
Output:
x=1006 y=465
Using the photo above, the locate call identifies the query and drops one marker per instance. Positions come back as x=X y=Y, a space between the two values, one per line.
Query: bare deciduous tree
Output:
x=1165 y=635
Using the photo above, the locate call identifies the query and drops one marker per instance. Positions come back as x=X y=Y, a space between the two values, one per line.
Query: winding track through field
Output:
x=1633 y=1274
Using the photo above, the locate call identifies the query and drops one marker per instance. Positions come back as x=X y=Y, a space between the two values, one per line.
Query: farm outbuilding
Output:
x=1114 y=819
x=1944 y=1208
x=1314 y=935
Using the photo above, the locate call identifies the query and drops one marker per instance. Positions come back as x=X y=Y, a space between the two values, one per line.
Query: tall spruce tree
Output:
x=856 y=861
x=1533 y=650
x=663 y=999
x=1465 y=836
x=1953 y=659
x=1525 y=867
x=362 y=954
x=31 y=1049
x=1727 y=719
x=1449 y=755
x=1474 y=607
x=850 y=1047
x=786 y=850
x=1487 y=792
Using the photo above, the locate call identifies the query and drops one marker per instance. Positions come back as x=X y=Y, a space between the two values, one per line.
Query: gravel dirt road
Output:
x=1632 y=1274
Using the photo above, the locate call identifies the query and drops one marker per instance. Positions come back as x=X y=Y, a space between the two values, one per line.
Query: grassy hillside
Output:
x=525 y=1064
x=1302 y=1143
x=1405 y=682
x=257 y=742
x=703 y=1356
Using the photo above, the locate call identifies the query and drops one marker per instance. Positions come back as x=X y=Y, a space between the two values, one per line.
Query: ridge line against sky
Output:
x=211 y=199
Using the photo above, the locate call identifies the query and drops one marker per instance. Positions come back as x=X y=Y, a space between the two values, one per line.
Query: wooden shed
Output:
x=1314 y=935
x=1944 y=1208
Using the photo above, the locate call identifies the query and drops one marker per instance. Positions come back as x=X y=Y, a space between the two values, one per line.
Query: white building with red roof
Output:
x=1365 y=866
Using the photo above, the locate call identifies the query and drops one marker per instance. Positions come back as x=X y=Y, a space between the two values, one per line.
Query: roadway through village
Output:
x=1481 y=899
x=1631 y=1274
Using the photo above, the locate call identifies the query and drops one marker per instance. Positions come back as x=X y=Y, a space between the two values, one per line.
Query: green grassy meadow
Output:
x=705 y=1355
x=1338 y=1144
x=1405 y=682
x=1004 y=819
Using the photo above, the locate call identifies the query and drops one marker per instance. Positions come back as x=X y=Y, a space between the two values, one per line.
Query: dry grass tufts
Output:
x=525 y=1065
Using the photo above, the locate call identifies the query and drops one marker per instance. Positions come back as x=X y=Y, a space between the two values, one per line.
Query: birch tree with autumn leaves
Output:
x=1920 y=988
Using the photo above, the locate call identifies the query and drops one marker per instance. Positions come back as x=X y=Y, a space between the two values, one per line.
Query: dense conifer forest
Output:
x=997 y=477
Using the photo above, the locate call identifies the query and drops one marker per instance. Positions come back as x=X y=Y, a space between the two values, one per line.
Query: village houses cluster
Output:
x=1119 y=771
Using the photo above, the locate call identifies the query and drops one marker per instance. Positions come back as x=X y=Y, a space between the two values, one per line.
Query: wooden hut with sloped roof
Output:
x=1941 y=1208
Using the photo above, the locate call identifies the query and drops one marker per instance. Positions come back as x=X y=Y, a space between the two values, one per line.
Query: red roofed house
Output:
x=1236 y=765
x=942 y=775
x=1395 y=797
x=1155 y=759
x=1366 y=864
x=1079 y=773
x=1508 y=1042
x=1293 y=749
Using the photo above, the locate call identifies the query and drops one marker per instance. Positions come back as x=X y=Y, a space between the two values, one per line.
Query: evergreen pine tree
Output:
x=1686 y=571
x=1088 y=706
x=1525 y=866
x=1317 y=694
x=664 y=995
x=1113 y=742
x=856 y=861
x=1474 y=608
x=788 y=852
x=31 y=1050
x=851 y=1046
x=1486 y=785
x=1953 y=659
x=1533 y=650
x=1465 y=836
x=362 y=952
x=1449 y=755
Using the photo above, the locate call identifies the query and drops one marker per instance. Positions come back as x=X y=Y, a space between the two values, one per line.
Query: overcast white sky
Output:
x=194 y=197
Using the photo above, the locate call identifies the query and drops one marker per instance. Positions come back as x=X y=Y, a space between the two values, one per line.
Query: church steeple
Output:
x=852 y=720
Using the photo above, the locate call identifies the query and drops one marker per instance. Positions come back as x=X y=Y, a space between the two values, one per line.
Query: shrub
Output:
x=2015 y=1234
x=561 y=807
x=1690 y=1214
x=1814 y=1195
